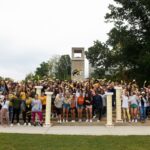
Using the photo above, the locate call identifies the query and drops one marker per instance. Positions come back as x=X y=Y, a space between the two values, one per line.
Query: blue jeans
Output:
x=142 y=113
x=10 y=113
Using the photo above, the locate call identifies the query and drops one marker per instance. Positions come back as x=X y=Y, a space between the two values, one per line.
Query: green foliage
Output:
x=128 y=42
x=43 y=70
x=63 y=68
x=57 y=67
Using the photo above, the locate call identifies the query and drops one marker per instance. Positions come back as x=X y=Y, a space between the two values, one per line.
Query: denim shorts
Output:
x=66 y=106
x=80 y=106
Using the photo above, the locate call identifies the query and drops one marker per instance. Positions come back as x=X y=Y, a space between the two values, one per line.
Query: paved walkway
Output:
x=79 y=130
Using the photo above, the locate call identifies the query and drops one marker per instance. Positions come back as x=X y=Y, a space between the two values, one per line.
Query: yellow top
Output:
x=23 y=95
x=43 y=99
x=29 y=101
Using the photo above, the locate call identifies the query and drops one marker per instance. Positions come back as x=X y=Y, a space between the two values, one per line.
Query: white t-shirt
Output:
x=133 y=99
x=5 y=104
x=125 y=101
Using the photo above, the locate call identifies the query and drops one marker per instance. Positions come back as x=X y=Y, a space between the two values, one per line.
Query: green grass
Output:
x=58 y=142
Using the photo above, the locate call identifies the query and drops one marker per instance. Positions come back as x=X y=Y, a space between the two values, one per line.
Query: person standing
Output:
x=98 y=101
x=66 y=106
x=80 y=104
x=36 y=110
x=88 y=105
x=134 y=106
x=125 y=106
x=58 y=104
x=4 y=111
x=142 y=105
x=16 y=102
x=73 y=107
x=28 y=108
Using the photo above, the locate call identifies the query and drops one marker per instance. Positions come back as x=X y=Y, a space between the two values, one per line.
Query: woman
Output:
x=4 y=111
x=36 y=110
x=80 y=103
x=58 y=104
x=16 y=103
x=134 y=106
x=125 y=106
x=66 y=106
x=88 y=106
x=142 y=105
x=73 y=107
x=43 y=100
x=28 y=108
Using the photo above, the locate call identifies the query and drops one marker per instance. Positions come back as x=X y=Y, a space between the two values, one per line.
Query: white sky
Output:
x=32 y=31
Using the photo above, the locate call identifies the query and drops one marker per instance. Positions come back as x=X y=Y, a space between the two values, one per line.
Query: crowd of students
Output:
x=71 y=101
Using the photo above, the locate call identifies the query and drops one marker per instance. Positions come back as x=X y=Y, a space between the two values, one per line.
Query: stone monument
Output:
x=77 y=66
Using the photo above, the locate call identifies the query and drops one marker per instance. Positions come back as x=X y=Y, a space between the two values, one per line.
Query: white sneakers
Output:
x=80 y=120
x=24 y=124
x=94 y=116
x=134 y=120
x=11 y=125
x=29 y=124
x=18 y=124
x=73 y=121
x=87 y=120
x=59 y=121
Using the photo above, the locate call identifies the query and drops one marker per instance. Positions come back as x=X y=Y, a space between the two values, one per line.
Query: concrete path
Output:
x=79 y=130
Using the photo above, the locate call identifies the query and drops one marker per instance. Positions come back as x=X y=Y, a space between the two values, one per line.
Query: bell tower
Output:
x=77 y=67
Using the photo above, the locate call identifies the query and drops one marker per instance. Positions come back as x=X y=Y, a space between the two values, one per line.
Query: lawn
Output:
x=58 y=142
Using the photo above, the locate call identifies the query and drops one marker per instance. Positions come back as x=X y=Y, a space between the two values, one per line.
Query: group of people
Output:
x=71 y=101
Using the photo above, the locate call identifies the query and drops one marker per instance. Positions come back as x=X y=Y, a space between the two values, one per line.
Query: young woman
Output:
x=88 y=105
x=73 y=107
x=58 y=104
x=134 y=106
x=43 y=100
x=98 y=102
x=125 y=106
x=66 y=106
x=80 y=103
x=4 y=111
x=142 y=105
x=37 y=109
x=16 y=103
x=28 y=108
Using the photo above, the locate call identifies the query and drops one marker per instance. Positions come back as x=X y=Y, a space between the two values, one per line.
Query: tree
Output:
x=53 y=62
x=132 y=31
x=99 y=56
x=63 y=68
x=128 y=42
x=43 y=70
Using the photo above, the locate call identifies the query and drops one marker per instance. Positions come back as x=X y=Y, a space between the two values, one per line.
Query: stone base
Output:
x=109 y=125
x=47 y=125
x=119 y=121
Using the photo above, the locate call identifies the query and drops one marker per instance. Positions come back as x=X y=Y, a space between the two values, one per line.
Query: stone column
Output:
x=109 y=109
x=48 y=109
x=118 y=104
x=38 y=90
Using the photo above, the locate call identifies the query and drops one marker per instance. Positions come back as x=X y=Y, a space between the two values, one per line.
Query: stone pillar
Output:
x=118 y=104
x=48 y=109
x=109 y=109
x=38 y=90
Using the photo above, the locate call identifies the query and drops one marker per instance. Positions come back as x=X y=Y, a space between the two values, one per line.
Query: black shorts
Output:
x=58 y=111
x=73 y=108
x=44 y=107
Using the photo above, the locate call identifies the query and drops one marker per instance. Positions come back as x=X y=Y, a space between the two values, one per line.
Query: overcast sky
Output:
x=32 y=31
